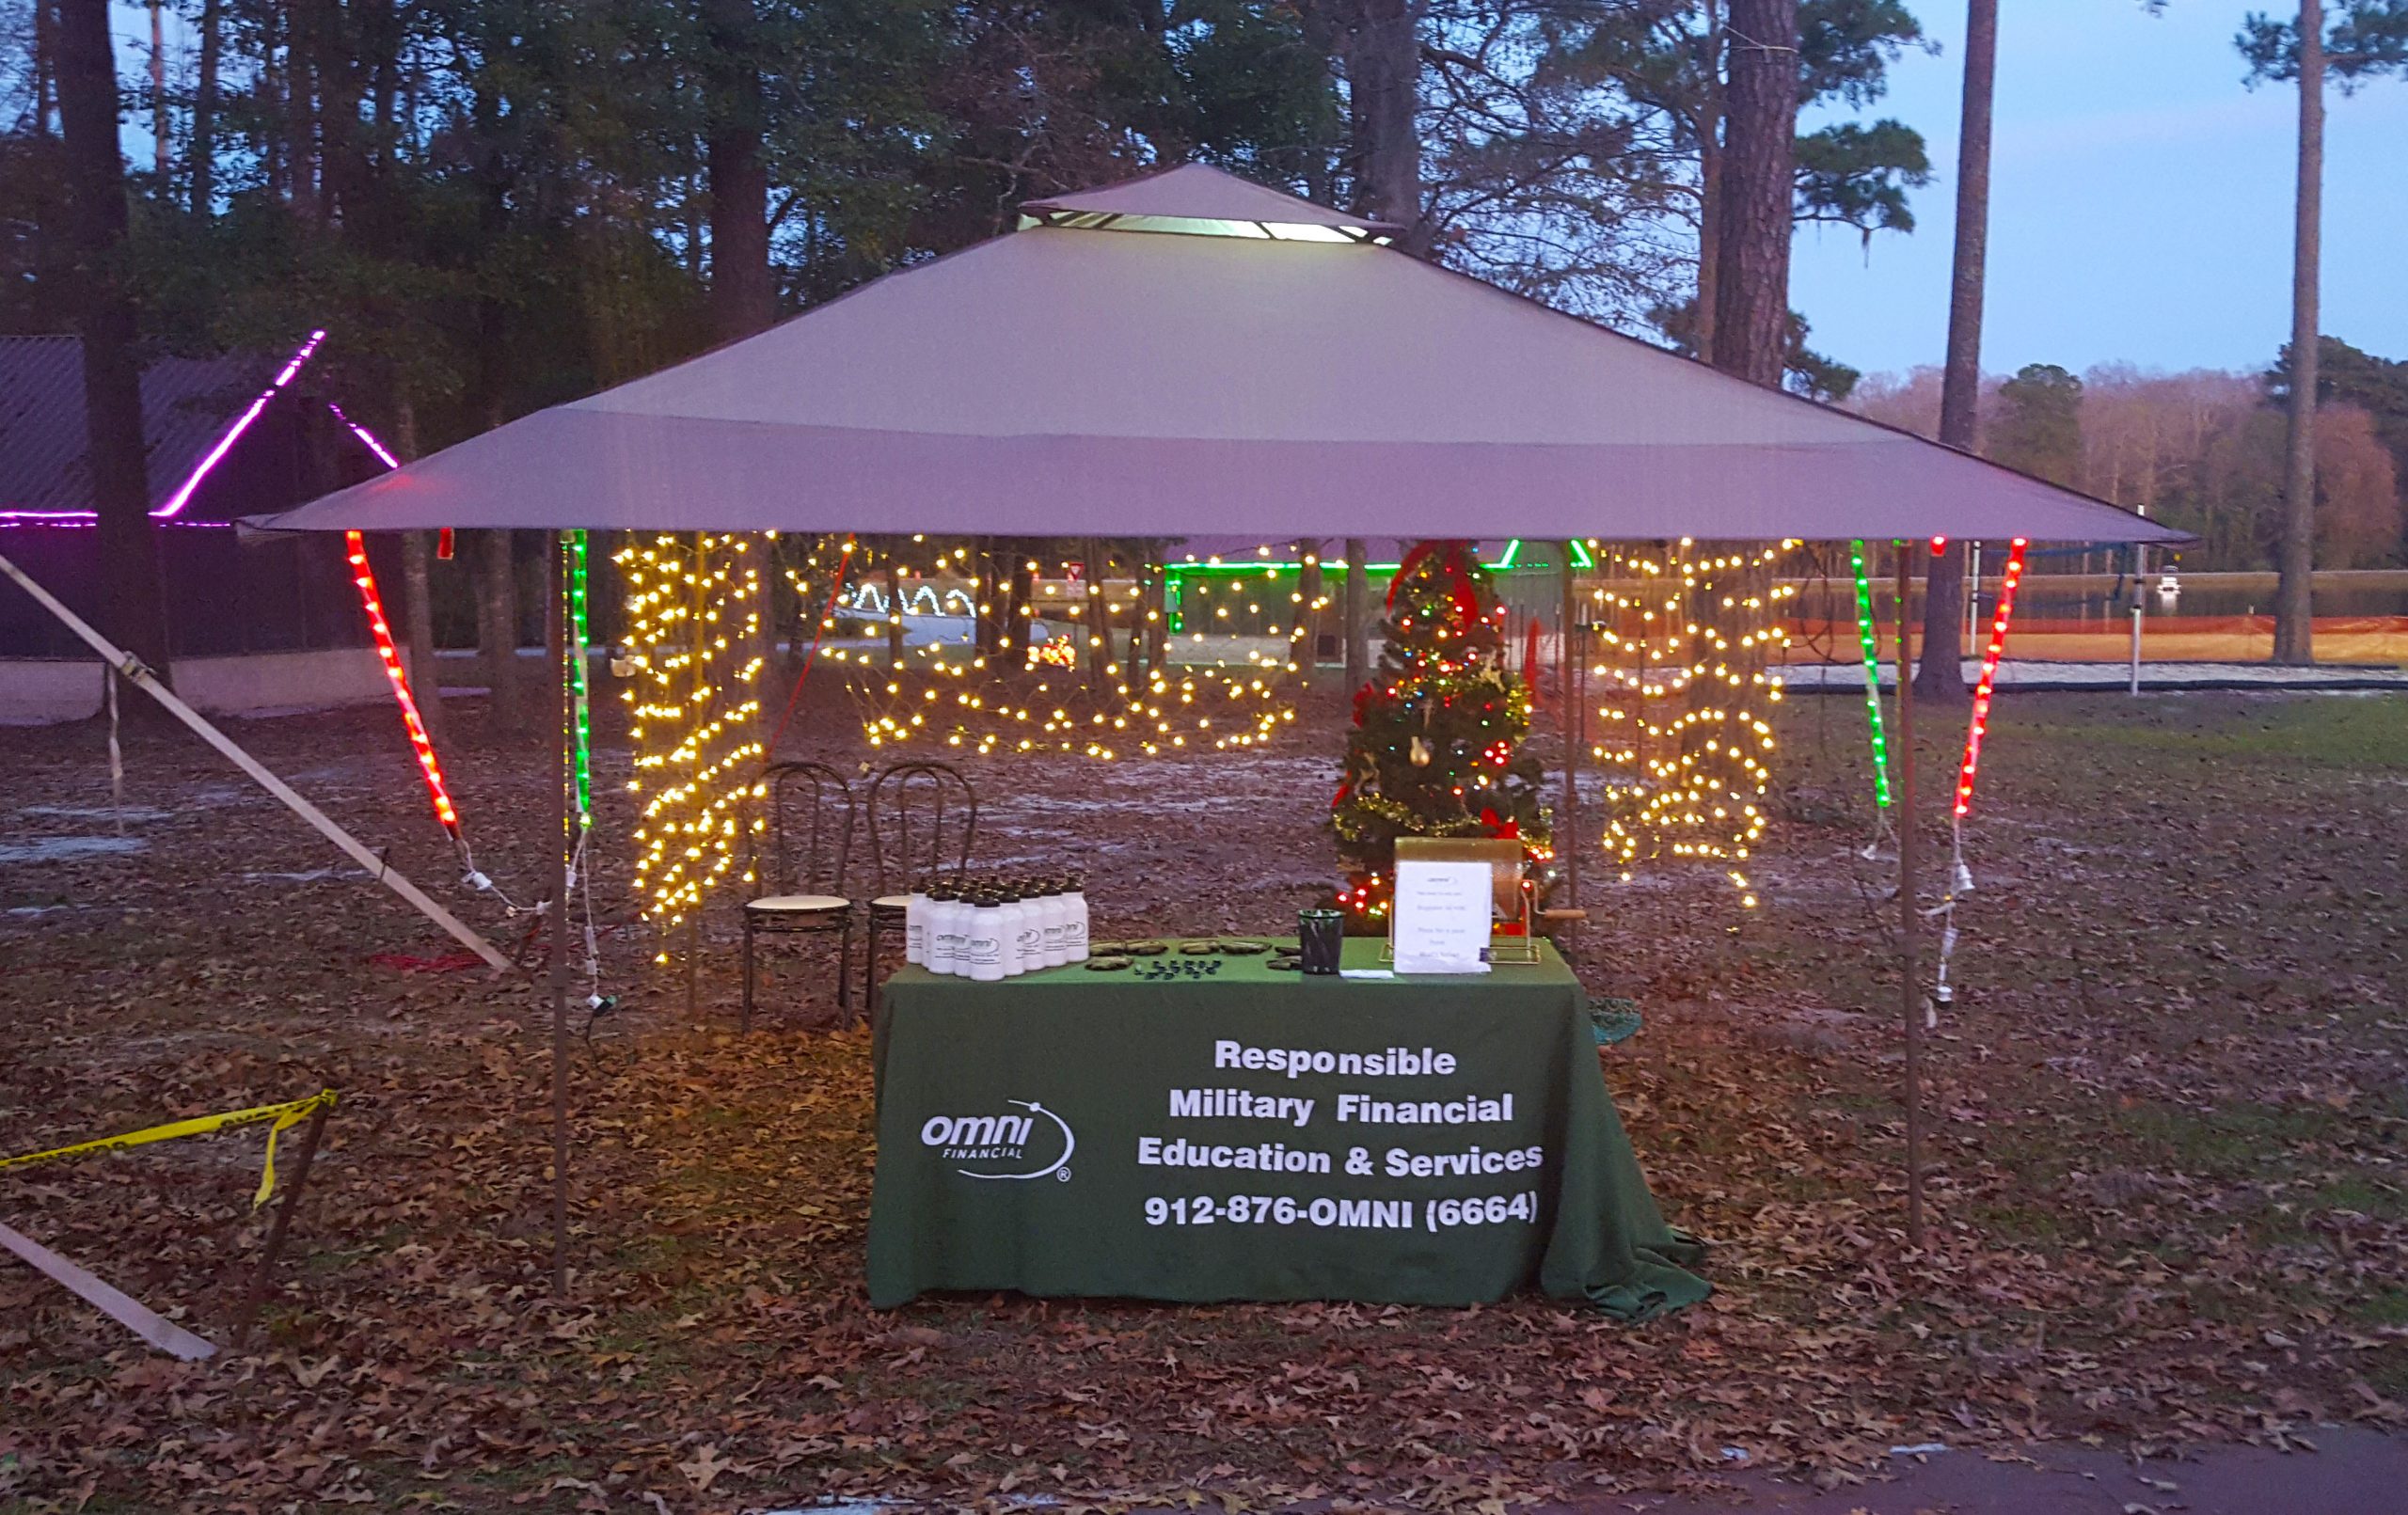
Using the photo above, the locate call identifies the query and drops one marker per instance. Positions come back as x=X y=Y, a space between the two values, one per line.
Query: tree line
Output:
x=497 y=205
x=2203 y=450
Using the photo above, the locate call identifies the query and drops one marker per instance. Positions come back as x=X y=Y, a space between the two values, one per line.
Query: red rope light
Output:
x=1990 y=674
x=357 y=550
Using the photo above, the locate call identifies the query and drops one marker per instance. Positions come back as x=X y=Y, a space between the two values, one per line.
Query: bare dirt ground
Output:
x=2169 y=1194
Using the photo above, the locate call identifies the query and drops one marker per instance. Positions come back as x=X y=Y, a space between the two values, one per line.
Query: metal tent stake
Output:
x=1908 y=921
x=277 y=1227
x=375 y=867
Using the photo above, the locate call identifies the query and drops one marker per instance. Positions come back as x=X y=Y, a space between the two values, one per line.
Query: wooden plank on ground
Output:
x=123 y=1309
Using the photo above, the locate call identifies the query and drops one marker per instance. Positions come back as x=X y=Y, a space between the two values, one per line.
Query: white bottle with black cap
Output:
x=944 y=929
x=965 y=911
x=1024 y=928
x=982 y=943
x=1053 y=924
x=915 y=924
x=1074 y=931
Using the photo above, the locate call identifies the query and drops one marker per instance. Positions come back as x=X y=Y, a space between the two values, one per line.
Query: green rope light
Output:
x=581 y=717
x=1872 y=674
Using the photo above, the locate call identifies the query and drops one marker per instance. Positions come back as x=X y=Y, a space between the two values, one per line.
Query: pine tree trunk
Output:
x=418 y=610
x=1308 y=639
x=1755 y=216
x=2294 y=607
x=894 y=616
x=1709 y=194
x=987 y=608
x=1357 y=605
x=1157 y=611
x=1760 y=137
x=418 y=598
x=343 y=172
x=45 y=66
x=1384 y=68
x=497 y=630
x=1942 y=674
x=300 y=108
x=133 y=607
x=1094 y=619
x=159 y=151
x=1018 y=621
x=204 y=115
x=743 y=296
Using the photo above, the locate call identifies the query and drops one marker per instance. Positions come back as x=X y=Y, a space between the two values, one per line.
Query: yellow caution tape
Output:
x=290 y=1113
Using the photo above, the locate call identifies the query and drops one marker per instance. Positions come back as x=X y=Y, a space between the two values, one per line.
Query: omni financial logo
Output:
x=1036 y=1145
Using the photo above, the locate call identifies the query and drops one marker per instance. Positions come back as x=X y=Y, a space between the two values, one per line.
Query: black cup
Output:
x=1322 y=935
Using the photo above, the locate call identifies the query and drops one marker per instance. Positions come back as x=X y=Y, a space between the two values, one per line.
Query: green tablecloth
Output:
x=1259 y=1135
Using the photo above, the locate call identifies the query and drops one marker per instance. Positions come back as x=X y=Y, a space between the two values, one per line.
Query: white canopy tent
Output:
x=1242 y=363
x=1192 y=354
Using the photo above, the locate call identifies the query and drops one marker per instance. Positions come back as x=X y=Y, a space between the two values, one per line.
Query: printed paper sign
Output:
x=1443 y=916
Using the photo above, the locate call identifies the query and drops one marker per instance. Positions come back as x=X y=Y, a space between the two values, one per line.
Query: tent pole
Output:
x=1567 y=825
x=556 y=641
x=693 y=952
x=1908 y=921
x=375 y=867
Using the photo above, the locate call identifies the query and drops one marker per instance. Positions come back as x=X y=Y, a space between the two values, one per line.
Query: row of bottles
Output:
x=994 y=927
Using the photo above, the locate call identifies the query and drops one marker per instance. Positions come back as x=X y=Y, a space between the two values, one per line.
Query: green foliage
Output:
x=2362 y=39
x=1568 y=144
x=1437 y=749
x=1858 y=176
x=2040 y=425
x=1804 y=371
x=2379 y=385
x=495 y=205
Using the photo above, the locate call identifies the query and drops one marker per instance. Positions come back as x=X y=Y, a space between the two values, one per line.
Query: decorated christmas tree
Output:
x=1437 y=749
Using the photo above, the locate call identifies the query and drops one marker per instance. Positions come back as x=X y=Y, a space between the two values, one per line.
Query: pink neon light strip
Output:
x=182 y=497
x=357 y=550
x=368 y=438
x=2005 y=613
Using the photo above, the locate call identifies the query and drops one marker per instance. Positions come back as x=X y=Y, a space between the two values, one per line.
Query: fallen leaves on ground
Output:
x=2165 y=1185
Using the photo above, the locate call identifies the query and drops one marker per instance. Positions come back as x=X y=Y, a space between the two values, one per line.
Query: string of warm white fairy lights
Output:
x=693 y=616
x=1689 y=634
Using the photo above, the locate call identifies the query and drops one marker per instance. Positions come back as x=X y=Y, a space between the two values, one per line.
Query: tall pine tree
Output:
x=1437 y=749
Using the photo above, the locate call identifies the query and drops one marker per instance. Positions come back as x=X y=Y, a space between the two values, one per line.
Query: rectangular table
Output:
x=1249 y=1133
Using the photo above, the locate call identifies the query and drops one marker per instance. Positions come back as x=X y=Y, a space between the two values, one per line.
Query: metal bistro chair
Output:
x=807 y=880
x=923 y=818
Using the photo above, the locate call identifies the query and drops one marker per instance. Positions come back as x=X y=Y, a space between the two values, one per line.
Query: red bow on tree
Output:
x=1450 y=566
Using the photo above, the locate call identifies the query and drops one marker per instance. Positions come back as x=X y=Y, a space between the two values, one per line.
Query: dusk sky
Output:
x=2141 y=201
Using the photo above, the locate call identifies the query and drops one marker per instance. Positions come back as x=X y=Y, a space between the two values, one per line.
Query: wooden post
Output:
x=277 y=1227
x=119 y=1306
x=1909 y=920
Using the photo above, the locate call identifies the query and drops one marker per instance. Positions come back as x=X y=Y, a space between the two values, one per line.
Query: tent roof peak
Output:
x=1198 y=199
